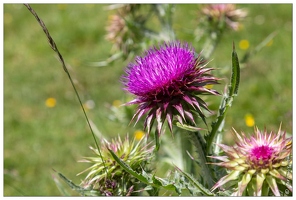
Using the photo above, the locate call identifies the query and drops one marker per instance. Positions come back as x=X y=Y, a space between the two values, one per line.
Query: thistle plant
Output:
x=125 y=28
x=214 y=21
x=116 y=31
x=129 y=32
x=257 y=164
x=219 y=15
x=169 y=83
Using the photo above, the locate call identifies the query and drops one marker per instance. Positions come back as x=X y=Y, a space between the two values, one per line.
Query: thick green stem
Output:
x=226 y=102
x=217 y=125
x=211 y=44
x=213 y=39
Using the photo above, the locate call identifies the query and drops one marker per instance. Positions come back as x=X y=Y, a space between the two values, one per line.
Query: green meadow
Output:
x=42 y=137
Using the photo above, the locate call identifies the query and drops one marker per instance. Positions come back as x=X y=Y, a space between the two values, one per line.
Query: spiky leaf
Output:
x=235 y=77
x=80 y=190
x=198 y=187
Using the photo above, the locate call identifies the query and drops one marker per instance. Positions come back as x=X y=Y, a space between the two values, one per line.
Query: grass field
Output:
x=38 y=138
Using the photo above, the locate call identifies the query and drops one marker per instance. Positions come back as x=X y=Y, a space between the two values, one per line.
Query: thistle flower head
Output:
x=227 y=12
x=257 y=163
x=107 y=175
x=116 y=30
x=167 y=82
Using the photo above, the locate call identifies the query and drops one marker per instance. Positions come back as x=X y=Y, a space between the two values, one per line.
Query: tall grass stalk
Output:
x=54 y=47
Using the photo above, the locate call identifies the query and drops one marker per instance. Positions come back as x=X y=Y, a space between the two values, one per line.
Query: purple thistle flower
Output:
x=257 y=163
x=166 y=83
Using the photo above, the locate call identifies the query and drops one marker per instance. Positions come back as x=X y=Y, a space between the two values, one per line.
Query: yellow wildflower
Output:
x=209 y=86
x=244 y=44
x=50 y=102
x=139 y=134
x=249 y=119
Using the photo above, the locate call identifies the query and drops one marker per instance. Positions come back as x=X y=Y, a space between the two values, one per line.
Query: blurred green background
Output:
x=38 y=138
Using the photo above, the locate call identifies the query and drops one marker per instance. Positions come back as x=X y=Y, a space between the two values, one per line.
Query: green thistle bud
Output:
x=106 y=175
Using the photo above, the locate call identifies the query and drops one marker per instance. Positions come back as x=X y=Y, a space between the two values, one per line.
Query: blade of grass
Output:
x=55 y=48
x=80 y=190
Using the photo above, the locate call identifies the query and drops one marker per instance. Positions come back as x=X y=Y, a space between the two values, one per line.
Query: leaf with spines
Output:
x=200 y=147
x=197 y=186
x=235 y=77
x=60 y=186
x=188 y=127
x=80 y=190
x=151 y=180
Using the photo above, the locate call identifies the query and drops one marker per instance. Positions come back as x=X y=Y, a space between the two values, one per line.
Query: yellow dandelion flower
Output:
x=138 y=134
x=117 y=103
x=244 y=44
x=50 y=102
x=249 y=120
